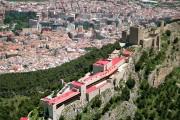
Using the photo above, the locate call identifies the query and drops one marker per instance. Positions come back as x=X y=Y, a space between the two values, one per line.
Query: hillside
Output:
x=21 y=92
x=153 y=103
x=160 y=103
x=141 y=97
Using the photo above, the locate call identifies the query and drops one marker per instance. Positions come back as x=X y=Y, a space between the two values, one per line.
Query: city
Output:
x=89 y=59
x=71 y=33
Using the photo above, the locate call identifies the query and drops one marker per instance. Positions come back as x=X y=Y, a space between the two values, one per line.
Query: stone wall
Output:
x=158 y=75
x=76 y=107
x=71 y=110
x=172 y=60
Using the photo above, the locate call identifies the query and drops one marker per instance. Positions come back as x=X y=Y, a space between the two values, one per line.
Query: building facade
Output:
x=145 y=37
x=87 y=87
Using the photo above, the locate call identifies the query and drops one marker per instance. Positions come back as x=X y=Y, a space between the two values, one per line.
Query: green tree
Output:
x=130 y=83
x=176 y=40
x=61 y=118
x=154 y=103
x=96 y=102
x=106 y=108
x=125 y=94
x=168 y=32
x=29 y=84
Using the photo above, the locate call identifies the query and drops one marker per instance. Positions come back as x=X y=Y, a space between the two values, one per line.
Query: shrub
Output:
x=96 y=102
x=130 y=83
x=61 y=118
x=78 y=117
x=125 y=94
x=106 y=108
x=168 y=32
x=175 y=40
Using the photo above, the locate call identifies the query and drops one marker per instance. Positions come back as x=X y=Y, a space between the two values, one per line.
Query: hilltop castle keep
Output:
x=94 y=83
x=146 y=37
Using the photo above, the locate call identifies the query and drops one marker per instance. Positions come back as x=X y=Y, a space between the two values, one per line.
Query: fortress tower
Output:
x=136 y=34
x=145 y=37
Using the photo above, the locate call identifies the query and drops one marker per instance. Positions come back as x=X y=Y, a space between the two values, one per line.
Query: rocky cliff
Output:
x=171 y=60
x=113 y=106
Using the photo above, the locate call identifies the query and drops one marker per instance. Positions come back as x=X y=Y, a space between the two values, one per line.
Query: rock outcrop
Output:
x=172 y=61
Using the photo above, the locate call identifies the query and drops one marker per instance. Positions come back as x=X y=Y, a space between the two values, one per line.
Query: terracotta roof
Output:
x=76 y=83
x=95 y=87
x=127 y=53
x=116 y=60
x=62 y=98
x=24 y=118
x=102 y=62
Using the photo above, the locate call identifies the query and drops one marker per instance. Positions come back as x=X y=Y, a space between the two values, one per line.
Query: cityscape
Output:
x=89 y=59
x=46 y=37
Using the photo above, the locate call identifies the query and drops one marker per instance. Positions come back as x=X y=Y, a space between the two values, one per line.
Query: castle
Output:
x=93 y=84
x=101 y=78
x=87 y=87
x=146 y=37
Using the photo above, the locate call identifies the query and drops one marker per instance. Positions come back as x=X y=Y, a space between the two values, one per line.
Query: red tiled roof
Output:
x=71 y=93
x=102 y=62
x=76 y=83
x=116 y=60
x=93 y=88
x=90 y=89
x=6 y=33
x=13 y=47
x=1 y=44
x=24 y=118
x=93 y=76
x=127 y=53
x=62 y=98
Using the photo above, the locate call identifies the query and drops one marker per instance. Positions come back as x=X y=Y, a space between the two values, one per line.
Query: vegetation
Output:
x=16 y=107
x=31 y=82
x=125 y=94
x=95 y=110
x=153 y=103
x=34 y=114
x=150 y=59
x=96 y=102
x=130 y=83
x=176 y=40
x=168 y=32
x=37 y=84
x=160 y=103
x=61 y=118
x=21 y=19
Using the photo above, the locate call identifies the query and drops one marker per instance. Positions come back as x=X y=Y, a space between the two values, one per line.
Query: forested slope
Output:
x=147 y=102
x=21 y=92
x=160 y=103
